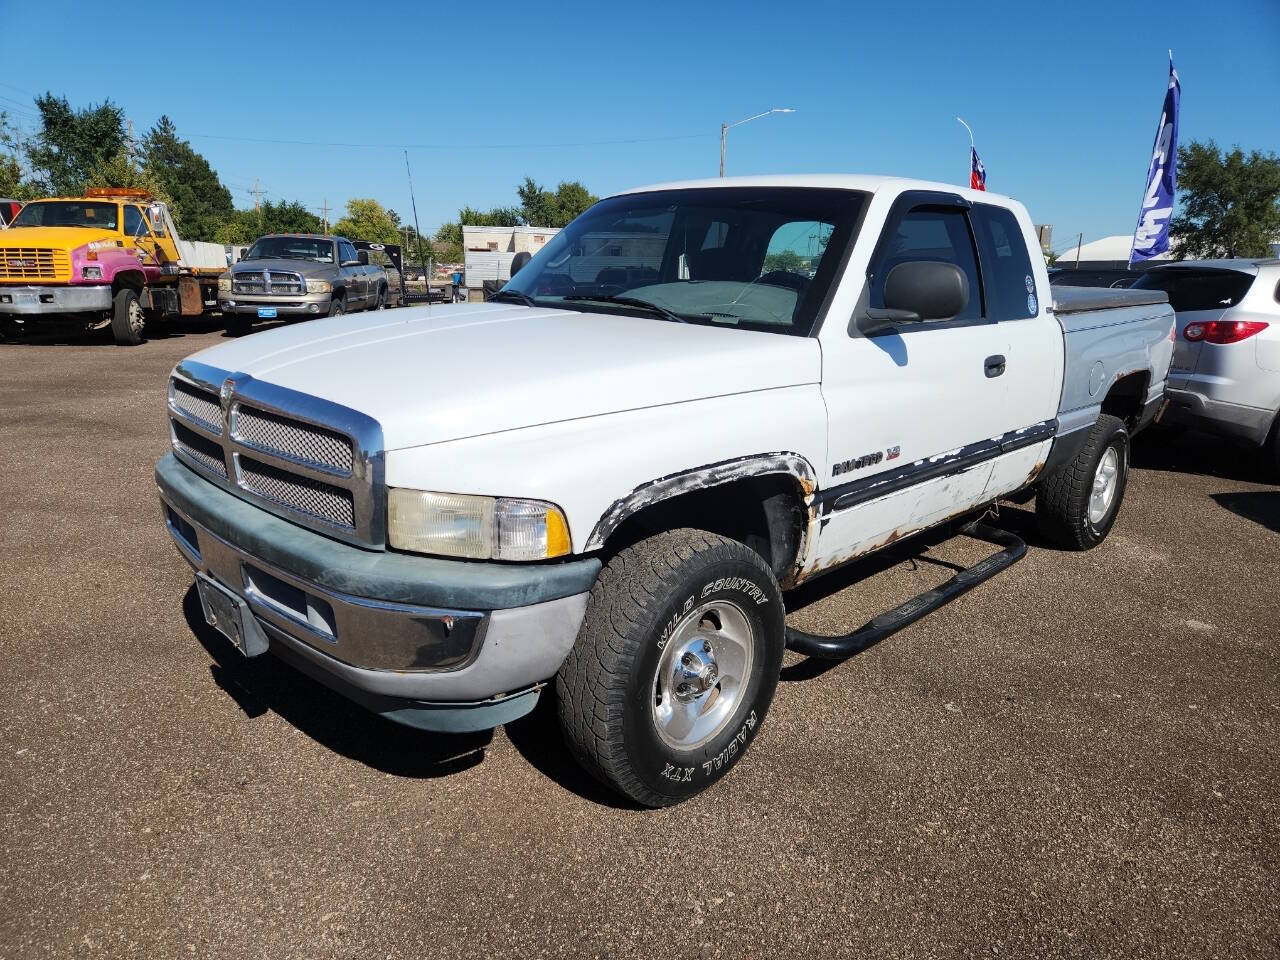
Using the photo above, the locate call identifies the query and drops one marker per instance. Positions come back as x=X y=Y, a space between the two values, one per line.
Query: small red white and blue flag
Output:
x=977 y=172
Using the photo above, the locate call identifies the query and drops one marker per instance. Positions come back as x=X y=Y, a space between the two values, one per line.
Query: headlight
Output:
x=224 y=284
x=478 y=528
x=319 y=286
x=91 y=273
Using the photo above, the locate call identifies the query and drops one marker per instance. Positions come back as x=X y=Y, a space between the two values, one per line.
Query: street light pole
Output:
x=724 y=128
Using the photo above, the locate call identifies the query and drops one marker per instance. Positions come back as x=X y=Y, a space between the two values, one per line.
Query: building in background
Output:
x=1109 y=253
x=488 y=250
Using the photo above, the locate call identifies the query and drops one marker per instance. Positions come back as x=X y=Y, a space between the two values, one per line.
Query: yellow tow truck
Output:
x=112 y=256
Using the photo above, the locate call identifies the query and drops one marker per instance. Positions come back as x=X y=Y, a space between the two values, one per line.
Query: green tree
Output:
x=245 y=226
x=367 y=219
x=200 y=203
x=544 y=208
x=120 y=171
x=785 y=260
x=73 y=143
x=15 y=182
x=1230 y=202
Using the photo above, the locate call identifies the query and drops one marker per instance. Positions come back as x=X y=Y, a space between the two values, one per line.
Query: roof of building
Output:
x=1107 y=249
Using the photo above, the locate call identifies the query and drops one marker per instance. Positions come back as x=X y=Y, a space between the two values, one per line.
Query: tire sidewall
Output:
x=1119 y=439
x=682 y=773
x=121 y=329
x=337 y=306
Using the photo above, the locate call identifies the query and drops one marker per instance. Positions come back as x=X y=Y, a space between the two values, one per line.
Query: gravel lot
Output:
x=1080 y=757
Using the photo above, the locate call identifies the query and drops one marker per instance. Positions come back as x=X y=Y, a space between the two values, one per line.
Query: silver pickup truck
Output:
x=300 y=276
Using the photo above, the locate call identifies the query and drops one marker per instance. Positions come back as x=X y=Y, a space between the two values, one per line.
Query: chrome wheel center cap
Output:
x=696 y=672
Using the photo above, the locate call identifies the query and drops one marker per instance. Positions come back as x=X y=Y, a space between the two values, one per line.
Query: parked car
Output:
x=604 y=477
x=1226 y=364
x=300 y=275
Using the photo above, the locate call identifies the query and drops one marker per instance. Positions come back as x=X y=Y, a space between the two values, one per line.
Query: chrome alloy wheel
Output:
x=702 y=674
x=1105 y=482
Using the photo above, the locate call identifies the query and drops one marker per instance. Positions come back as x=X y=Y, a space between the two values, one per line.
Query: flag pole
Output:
x=971 y=146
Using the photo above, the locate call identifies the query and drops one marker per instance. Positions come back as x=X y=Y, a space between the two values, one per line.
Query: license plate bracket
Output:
x=267 y=313
x=230 y=616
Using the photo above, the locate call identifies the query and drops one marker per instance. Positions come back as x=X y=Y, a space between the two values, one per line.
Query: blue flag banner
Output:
x=1151 y=237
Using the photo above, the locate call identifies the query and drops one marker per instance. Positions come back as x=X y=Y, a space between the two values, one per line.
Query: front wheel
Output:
x=1077 y=505
x=381 y=302
x=127 y=318
x=675 y=665
x=337 y=306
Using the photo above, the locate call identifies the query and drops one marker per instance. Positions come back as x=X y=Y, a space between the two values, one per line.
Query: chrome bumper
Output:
x=34 y=300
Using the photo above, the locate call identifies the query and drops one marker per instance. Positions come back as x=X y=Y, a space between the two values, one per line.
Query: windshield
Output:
x=67 y=213
x=1197 y=288
x=292 y=248
x=757 y=258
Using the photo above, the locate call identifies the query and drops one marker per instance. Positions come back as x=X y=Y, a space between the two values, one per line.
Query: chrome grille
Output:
x=314 y=462
x=267 y=281
x=208 y=453
x=196 y=404
x=291 y=439
x=320 y=500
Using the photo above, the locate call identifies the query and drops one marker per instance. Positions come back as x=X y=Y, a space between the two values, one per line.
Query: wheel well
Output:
x=338 y=293
x=1126 y=397
x=766 y=513
x=130 y=280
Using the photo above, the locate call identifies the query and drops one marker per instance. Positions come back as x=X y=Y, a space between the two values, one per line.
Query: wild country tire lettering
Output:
x=724 y=583
x=720 y=760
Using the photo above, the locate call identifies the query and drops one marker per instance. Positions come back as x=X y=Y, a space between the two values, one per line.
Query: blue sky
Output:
x=1063 y=98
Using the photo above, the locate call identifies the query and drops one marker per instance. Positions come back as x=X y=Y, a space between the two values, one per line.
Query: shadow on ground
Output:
x=59 y=333
x=1190 y=451
x=1262 y=507
x=264 y=683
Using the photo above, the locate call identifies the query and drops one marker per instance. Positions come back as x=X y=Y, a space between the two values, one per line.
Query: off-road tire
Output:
x=605 y=687
x=337 y=306
x=1062 y=501
x=127 y=319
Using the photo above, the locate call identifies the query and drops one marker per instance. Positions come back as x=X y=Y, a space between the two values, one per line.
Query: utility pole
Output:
x=257 y=197
x=1079 y=242
x=724 y=129
x=131 y=144
x=324 y=209
x=724 y=132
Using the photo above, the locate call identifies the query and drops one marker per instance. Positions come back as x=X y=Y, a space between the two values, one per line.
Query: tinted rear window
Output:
x=1198 y=288
x=1006 y=266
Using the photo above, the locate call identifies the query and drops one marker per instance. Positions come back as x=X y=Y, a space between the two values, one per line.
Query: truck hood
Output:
x=60 y=238
x=308 y=268
x=470 y=369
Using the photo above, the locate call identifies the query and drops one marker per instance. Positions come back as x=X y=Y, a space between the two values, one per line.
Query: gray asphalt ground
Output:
x=1078 y=758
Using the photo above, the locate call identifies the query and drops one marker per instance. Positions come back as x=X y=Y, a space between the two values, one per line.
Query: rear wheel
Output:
x=675 y=665
x=1077 y=504
x=1272 y=450
x=127 y=318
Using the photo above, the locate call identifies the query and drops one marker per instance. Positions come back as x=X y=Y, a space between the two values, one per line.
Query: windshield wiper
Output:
x=630 y=302
x=514 y=296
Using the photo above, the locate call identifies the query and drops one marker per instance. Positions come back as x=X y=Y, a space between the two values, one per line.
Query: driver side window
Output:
x=931 y=233
x=133 y=219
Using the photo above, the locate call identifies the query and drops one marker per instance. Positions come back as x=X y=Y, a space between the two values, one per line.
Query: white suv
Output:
x=1225 y=376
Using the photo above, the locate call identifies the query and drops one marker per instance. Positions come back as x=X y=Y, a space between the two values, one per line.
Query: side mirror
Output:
x=916 y=291
x=244 y=252
x=363 y=257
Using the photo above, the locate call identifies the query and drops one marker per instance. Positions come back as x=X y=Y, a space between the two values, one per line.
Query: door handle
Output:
x=993 y=366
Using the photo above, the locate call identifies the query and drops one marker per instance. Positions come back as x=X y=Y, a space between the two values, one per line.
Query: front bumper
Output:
x=1194 y=409
x=36 y=300
x=246 y=304
x=437 y=644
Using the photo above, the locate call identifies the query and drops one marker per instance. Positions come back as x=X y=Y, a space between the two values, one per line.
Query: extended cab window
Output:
x=755 y=258
x=931 y=233
x=1197 y=288
x=1007 y=280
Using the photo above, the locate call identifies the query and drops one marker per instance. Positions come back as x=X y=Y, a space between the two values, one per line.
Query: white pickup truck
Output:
x=696 y=397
